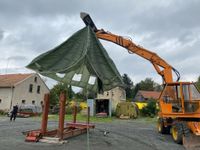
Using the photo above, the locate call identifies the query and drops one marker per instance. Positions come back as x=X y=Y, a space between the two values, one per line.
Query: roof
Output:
x=9 y=80
x=149 y=94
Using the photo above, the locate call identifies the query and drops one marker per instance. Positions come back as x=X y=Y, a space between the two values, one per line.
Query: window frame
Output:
x=23 y=101
x=33 y=102
x=38 y=89
x=30 y=88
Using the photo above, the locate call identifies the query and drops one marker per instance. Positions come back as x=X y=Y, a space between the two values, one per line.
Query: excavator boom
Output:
x=160 y=65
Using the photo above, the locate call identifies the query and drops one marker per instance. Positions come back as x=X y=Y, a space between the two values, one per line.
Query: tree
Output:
x=79 y=95
x=151 y=109
x=136 y=89
x=57 y=89
x=148 y=85
x=70 y=92
x=84 y=94
x=158 y=87
x=128 y=86
x=198 y=83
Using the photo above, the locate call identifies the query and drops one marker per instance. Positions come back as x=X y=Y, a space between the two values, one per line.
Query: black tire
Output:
x=179 y=130
x=186 y=130
x=167 y=129
x=161 y=128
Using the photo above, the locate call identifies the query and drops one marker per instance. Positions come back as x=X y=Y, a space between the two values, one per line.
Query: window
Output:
x=33 y=102
x=23 y=101
x=107 y=93
x=35 y=79
x=38 y=89
x=31 y=88
x=0 y=100
x=186 y=92
x=171 y=92
x=195 y=95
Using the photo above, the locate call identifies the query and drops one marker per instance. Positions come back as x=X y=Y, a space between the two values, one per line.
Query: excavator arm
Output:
x=160 y=65
x=178 y=112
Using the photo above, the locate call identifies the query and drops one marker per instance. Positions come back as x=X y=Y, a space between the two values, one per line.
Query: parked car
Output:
x=27 y=111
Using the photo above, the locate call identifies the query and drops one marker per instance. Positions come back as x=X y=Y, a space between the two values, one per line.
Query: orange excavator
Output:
x=179 y=102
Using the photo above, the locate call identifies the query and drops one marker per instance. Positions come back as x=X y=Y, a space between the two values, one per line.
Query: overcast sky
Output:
x=171 y=28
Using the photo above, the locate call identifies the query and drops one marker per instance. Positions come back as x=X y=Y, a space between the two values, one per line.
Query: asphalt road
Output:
x=123 y=135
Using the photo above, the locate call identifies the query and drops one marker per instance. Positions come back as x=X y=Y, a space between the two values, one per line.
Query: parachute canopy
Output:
x=79 y=61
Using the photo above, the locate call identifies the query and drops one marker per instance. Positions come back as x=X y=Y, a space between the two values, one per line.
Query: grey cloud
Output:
x=17 y=58
x=39 y=7
x=177 y=20
x=174 y=17
x=33 y=27
x=14 y=70
x=1 y=34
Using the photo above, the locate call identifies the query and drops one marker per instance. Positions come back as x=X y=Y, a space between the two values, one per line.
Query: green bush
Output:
x=2 y=112
x=70 y=110
x=113 y=113
x=150 y=110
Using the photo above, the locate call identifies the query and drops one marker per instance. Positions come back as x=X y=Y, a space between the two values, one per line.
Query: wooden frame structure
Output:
x=64 y=131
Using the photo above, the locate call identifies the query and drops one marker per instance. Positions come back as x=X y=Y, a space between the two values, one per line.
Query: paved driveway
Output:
x=123 y=135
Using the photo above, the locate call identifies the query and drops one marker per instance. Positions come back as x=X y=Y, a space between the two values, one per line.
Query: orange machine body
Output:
x=179 y=102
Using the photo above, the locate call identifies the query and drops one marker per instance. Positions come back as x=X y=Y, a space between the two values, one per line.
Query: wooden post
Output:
x=74 y=114
x=45 y=114
x=62 y=102
x=88 y=115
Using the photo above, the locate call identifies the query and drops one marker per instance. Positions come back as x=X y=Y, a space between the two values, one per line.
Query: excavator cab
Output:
x=182 y=99
x=180 y=112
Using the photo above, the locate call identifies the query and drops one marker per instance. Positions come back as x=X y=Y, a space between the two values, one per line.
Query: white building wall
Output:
x=116 y=95
x=21 y=91
x=5 y=98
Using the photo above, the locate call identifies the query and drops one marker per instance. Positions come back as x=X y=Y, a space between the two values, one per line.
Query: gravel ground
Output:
x=123 y=134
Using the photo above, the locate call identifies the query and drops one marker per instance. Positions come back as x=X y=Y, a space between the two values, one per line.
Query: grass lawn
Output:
x=147 y=119
x=80 y=118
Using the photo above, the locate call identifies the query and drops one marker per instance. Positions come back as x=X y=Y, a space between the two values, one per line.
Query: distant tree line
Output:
x=57 y=89
x=147 y=84
x=67 y=89
x=131 y=89
x=198 y=83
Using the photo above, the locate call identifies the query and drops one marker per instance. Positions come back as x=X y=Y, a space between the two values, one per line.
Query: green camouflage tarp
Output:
x=79 y=61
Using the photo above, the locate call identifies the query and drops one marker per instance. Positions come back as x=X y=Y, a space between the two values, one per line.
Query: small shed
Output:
x=100 y=106
x=115 y=95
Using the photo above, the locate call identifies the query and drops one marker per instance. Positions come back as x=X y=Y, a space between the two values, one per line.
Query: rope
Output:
x=88 y=136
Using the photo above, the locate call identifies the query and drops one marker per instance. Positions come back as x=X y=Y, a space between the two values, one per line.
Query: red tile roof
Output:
x=150 y=94
x=9 y=80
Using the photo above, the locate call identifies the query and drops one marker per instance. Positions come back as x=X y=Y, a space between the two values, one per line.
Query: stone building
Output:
x=21 y=89
x=115 y=96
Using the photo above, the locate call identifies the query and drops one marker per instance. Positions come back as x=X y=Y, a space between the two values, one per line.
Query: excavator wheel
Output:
x=178 y=131
x=161 y=128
